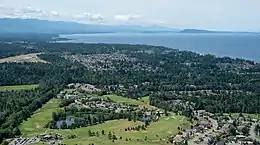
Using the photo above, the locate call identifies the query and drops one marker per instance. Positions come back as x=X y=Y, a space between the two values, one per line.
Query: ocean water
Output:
x=245 y=46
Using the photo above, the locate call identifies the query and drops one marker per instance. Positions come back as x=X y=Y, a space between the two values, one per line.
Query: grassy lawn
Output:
x=121 y=99
x=252 y=116
x=145 y=100
x=35 y=123
x=17 y=87
x=166 y=126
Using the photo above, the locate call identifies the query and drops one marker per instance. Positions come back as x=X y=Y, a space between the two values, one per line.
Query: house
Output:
x=208 y=139
x=72 y=85
x=178 y=139
x=89 y=88
x=240 y=137
x=60 y=96
x=47 y=137
x=22 y=141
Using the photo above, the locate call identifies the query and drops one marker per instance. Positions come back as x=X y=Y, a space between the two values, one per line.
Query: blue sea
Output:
x=234 y=45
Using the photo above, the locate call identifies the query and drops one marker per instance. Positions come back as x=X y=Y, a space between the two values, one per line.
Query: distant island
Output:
x=200 y=31
x=210 y=31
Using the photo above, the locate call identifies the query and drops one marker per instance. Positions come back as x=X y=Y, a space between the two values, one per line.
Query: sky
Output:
x=232 y=15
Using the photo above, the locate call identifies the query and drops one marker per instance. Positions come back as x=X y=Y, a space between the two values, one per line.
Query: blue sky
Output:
x=242 y=15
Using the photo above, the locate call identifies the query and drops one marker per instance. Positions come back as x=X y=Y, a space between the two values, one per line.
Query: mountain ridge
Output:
x=18 y=25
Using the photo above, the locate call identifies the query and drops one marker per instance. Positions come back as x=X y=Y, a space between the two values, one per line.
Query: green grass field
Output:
x=35 y=123
x=17 y=87
x=166 y=126
x=145 y=100
x=252 y=116
x=140 y=103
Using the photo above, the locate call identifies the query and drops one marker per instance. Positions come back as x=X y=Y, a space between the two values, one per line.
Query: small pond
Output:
x=68 y=121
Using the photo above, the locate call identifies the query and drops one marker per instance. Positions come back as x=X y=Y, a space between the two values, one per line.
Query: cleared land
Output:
x=17 y=87
x=23 y=58
x=155 y=133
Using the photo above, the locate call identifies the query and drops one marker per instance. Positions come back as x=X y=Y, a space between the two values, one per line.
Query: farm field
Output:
x=156 y=133
x=23 y=58
x=17 y=87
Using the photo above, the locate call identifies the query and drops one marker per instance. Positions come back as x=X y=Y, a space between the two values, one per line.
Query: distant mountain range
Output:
x=16 y=25
x=8 y=25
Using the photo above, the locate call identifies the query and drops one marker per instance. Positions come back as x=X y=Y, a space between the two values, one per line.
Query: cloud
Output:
x=5 y=11
x=128 y=17
x=30 y=10
x=55 y=14
x=38 y=13
x=27 y=12
x=90 y=17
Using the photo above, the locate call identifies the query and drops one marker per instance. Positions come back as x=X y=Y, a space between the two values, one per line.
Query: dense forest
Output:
x=166 y=75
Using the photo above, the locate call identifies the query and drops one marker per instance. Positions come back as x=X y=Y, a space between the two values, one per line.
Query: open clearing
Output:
x=155 y=133
x=23 y=58
x=17 y=87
